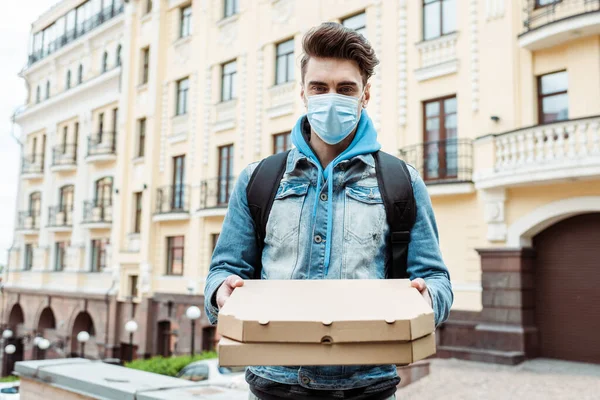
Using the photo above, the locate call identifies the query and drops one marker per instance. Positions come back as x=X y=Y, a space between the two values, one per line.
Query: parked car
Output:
x=212 y=373
x=10 y=392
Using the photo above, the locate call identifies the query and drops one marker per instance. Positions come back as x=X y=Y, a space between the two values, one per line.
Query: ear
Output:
x=302 y=94
x=367 y=95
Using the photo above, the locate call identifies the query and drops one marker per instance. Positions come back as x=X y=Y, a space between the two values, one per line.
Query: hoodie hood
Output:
x=364 y=142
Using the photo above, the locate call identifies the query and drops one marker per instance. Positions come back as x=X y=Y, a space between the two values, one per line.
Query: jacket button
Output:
x=305 y=380
x=323 y=197
x=318 y=239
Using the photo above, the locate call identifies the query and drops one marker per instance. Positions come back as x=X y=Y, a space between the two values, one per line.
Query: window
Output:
x=38 y=94
x=105 y=62
x=183 y=87
x=28 y=257
x=215 y=239
x=209 y=338
x=141 y=137
x=145 y=64
x=228 y=89
x=232 y=7
x=118 y=56
x=133 y=286
x=80 y=74
x=65 y=139
x=115 y=120
x=439 y=18
x=47 y=90
x=225 y=174
x=99 y=254
x=284 y=66
x=66 y=200
x=33 y=150
x=178 y=198
x=60 y=249
x=282 y=142
x=553 y=99
x=100 y=126
x=148 y=6
x=543 y=3
x=103 y=194
x=185 y=22
x=137 y=219
x=357 y=22
x=68 y=80
x=175 y=245
x=440 y=148
x=35 y=206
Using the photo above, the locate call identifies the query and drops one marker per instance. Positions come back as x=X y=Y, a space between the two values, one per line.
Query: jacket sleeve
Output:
x=236 y=252
x=424 y=254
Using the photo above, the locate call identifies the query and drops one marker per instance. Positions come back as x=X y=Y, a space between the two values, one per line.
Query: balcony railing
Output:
x=32 y=164
x=173 y=199
x=537 y=15
x=74 y=34
x=102 y=143
x=60 y=216
x=442 y=161
x=64 y=154
x=97 y=212
x=215 y=193
x=28 y=220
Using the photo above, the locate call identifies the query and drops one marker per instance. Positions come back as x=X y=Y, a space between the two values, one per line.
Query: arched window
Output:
x=118 y=57
x=68 y=80
x=105 y=62
x=80 y=74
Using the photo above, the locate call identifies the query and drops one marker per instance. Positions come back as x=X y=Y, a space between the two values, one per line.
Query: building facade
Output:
x=496 y=103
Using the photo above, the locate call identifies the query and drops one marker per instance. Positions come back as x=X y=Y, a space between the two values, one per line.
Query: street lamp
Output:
x=42 y=344
x=82 y=338
x=130 y=327
x=193 y=313
x=9 y=350
x=7 y=334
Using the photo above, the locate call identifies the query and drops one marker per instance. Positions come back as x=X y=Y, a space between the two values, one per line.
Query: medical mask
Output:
x=333 y=116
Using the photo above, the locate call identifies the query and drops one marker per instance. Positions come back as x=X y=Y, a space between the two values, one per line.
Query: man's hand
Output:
x=421 y=286
x=228 y=286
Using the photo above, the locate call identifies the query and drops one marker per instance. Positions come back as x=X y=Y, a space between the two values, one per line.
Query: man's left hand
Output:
x=421 y=286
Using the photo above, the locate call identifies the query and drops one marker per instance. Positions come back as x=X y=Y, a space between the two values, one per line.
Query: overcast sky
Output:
x=15 y=24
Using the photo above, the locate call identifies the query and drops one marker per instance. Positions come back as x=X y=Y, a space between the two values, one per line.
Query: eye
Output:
x=347 y=90
x=318 y=89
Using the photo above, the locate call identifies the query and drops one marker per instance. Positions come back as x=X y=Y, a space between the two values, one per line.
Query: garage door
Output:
x=568 y=289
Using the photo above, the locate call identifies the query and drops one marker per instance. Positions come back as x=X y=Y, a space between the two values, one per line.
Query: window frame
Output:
x=133 y=286
x=363 y=29
x=98 y=254
x=171 y=248
x=541 y=96
x=287 y=58
x=181 y=96
x=226 y=151
x=47 y=90
x=234 y=6
x=80 y=74
x=137 y=211
x=424 y=25
x=185 y=21
x=145 y=75
x=231 y=76
x=28 y=262
x=105 y=61
x=60 y=249
x=68 y=80
x=148 y=7
x=287 y=141
x=141 y=138
x=443 y=137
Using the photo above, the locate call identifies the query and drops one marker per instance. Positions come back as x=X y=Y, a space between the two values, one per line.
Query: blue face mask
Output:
x=333 y=116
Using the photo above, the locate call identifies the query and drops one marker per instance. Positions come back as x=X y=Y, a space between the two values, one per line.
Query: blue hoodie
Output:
x=364 y=142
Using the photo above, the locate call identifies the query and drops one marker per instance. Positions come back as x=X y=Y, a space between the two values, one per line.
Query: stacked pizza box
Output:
x=325 y=322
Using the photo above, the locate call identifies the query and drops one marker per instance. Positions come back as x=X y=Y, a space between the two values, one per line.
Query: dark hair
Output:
x=333 y=40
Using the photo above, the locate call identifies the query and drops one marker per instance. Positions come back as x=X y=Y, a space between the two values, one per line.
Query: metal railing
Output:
x=172 y=199
x=215 y=193
x=97 y=211
x=60 y=216
x=32 y=164
x=73 y=34
x=28 y=220
x=64 y=154
x=102 y=143
x=537 y=14
x=442 y=161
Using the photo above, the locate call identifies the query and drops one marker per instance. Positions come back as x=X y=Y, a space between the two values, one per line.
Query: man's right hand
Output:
x=228 y=286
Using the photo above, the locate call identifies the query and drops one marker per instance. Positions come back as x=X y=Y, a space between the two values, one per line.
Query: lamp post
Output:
x=9 y=350
x=130 y=327
x=82 y=338
x=43 y=345
x=193 y=313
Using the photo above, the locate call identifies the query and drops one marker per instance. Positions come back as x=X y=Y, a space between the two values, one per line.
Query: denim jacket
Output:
x=295 y=242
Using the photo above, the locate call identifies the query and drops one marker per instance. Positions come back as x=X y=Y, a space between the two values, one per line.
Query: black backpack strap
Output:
x=260 y=192
x=396 y=190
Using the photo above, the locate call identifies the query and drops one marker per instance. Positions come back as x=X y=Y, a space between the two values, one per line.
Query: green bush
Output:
x=167 y=366
x=10 y=378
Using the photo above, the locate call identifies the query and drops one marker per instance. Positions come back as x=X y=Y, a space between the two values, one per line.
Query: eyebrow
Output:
x=318 y=83
x=347 y=83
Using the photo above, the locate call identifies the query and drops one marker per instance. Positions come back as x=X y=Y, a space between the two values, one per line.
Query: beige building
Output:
x=496 y=102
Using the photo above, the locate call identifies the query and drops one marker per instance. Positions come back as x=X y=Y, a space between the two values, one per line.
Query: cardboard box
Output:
x=233 y=353
x=326 y=311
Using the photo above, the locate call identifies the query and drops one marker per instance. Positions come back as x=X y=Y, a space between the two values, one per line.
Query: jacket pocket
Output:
x=364 y=214
x=284 y=219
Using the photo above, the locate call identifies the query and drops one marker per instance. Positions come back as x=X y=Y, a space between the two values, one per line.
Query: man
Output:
x=328 y=220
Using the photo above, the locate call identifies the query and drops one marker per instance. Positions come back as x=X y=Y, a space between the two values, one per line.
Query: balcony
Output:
x=214 y=196
x=60 y=218
x=28 y=222
x=64 y=158
x=91 y=23
x=32 y=166
x=437 y=57
x=561 y=151
x=172 y=203
x=281 y=99
x=558 y=22
x=97 y=215
x=102 y=147
x=225 y=115
x=446 y=166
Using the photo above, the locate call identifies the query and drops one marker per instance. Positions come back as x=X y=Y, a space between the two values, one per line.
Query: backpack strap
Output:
x=396 y=190
x=260 y=192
